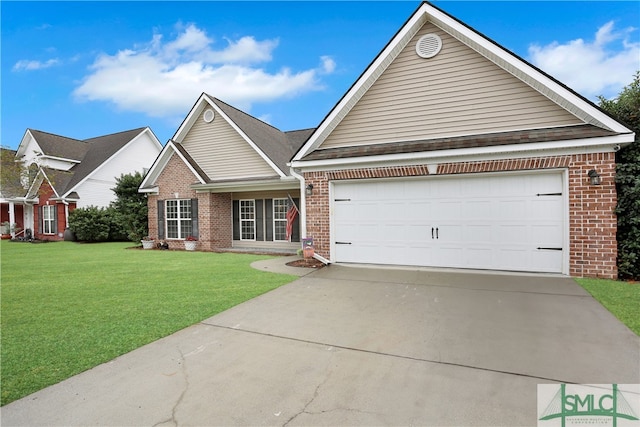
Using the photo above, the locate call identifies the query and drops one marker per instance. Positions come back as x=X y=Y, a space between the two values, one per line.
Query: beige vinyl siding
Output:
x=457 y=92
x=222 y=153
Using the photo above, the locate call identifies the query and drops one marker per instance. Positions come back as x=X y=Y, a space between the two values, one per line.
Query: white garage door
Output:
x=497 y=222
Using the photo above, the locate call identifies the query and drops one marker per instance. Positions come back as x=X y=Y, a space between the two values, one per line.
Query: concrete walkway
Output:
x=357 y=346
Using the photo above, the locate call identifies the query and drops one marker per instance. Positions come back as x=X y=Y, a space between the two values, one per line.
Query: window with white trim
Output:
x=178 y=219
x=280 y=207
x=247 y=220
x=48 y=219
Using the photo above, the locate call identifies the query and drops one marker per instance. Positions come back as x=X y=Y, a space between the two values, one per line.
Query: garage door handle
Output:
x=550 y=249
x=343 y=243
x=436 y=230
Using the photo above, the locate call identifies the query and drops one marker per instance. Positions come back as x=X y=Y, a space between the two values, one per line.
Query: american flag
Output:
x=292 y=213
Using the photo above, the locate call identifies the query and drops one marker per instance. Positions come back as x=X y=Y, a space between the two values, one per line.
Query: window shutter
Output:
x=260 y=219
x=161 y=219
x=295 y=233
x=194 y=218
x=236 y=220
x=55 y=220
x=268 y=226
x=40 y=220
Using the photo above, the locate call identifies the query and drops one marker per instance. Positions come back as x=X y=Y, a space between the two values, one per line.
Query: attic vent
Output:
x=208 y=116
x=428 y=46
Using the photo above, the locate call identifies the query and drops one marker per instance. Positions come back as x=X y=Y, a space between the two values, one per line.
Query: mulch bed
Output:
x=306 y=262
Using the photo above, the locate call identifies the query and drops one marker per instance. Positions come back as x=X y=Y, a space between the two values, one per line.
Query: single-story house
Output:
x=65 y=173
x=448 y=151
x=223 y=179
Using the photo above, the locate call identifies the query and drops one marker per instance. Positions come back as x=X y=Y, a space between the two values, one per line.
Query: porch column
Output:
x=12 y=219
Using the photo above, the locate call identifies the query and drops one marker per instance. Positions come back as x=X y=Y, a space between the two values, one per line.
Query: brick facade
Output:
x=45 y=193
x=592 y=219
x=174 y=183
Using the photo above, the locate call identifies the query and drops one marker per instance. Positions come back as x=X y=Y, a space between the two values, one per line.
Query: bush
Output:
x=91 y=224
x=130 y=207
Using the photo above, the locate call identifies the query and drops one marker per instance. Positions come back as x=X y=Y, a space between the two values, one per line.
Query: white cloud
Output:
x=600 y=67
x=163 y=79
x=31 y=65
x=328 y=64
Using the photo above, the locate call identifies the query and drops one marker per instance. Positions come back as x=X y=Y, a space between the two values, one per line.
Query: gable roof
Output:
x=273 y=145
x=88 y=155
x=552 y=89
x=148 y=182
x=100 y=149
x=56 y=146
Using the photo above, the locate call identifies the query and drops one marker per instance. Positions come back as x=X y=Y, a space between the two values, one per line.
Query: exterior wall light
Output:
x=309 y=190
x=594 y=177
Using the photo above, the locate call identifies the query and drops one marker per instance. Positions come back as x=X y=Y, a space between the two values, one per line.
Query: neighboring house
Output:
x=223 y=178
x=448 y=151
x=66 y=173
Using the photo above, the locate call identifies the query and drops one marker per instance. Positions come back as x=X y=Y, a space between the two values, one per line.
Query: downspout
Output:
x=66 y=214
x=303 y=211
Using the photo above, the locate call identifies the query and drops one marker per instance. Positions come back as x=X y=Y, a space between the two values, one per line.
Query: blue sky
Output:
x=86 y=69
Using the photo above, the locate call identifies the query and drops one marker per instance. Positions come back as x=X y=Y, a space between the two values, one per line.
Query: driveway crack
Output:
x=185 y=375
x=313 y=398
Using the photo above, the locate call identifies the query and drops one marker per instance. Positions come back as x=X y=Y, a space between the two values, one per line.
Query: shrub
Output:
x=130 y=207
x=626 y=109
x=90 y=224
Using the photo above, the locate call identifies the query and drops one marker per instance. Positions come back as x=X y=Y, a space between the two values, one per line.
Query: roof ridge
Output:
x=55 y=134
x=246 y=114
x=115 y=133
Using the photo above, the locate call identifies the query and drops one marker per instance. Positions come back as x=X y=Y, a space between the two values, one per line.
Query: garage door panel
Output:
x=489 y=221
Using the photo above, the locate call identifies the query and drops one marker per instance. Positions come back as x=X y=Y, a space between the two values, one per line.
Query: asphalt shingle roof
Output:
x=91 y=153
x=494 y=139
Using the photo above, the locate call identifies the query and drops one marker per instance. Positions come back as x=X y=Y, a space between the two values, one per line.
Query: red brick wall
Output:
x=175 y=180
x=45 y=193
x=592 y=220
x=214 y=209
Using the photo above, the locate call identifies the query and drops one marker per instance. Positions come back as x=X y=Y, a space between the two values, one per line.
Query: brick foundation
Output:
x=592 y=219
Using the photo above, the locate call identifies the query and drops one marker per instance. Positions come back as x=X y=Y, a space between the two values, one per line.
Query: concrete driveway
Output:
x=358 y=346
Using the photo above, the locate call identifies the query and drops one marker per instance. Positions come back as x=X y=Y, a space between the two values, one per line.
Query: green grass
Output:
x=621 y=298
x=67 y=307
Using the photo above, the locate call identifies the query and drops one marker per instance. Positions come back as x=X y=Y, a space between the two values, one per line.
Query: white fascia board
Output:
x=159 y=165
x=63 y=159
x=191 y=118
x=288 y=183
x=534 y=149
x=150 y=190
x=23 y=143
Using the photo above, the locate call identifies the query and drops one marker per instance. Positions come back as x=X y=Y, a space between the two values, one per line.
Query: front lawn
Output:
x=622 y=299
x=67 y=307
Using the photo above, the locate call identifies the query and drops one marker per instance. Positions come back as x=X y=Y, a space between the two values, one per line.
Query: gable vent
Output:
x=428 y=46
x=208 y=116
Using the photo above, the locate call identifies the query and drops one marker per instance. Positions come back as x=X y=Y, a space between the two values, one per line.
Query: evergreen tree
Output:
x=130 y=207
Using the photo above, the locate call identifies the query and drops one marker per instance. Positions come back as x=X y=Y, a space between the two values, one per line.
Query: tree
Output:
x=626 y=109
x=130 y=207
x=13 y=175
